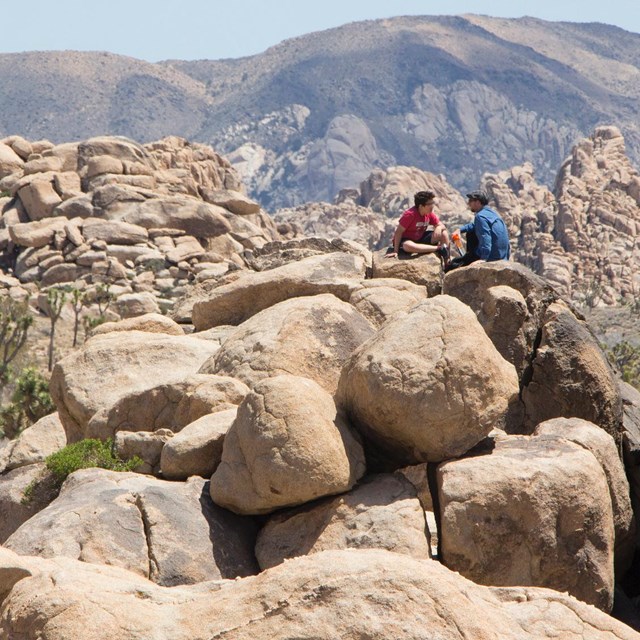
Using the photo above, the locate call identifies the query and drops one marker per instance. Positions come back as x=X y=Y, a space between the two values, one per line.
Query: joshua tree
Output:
x=55 y=301
x=15 y=320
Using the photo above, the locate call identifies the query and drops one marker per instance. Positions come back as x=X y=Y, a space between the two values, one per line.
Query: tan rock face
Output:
x=571 y=376
x=328 y=595
x=582 y=236
x=94 y=378
x=168 y=532
x=382 y=298
x=171 y=405
x=33 y=444
x=423 y=270
x=381 y=513
x=533 y=511
x=310 y=337
x=509 y=301
x=233 y=303
x=288 y=445
x=428 y=385
x=197 y=449
x=603 y=447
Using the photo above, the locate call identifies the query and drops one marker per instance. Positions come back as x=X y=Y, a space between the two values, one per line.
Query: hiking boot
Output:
x=443 y=252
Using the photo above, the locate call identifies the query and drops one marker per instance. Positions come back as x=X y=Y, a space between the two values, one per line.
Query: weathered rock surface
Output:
x=428 y=385
x=371 y=594
x=233 y=303
x=14 y=508
x=197 y=449
x=424 y=270
x=509 y=301
x=150 y=322
x=33 y=444
x=603 y=447
x=382 y=298
x=288 y=445
x=170 y=405
x=383 y=512
x=310 y=337
x=168 y=532
x=555 y=529
x=94 y=378
x=571 y=376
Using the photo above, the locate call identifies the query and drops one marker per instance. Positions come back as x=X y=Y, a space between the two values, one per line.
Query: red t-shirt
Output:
x=415 y=225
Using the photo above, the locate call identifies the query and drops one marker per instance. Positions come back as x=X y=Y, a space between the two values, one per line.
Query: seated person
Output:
x=413 y=234
x=487 y=235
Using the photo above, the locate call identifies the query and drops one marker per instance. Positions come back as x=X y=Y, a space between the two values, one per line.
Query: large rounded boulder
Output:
x=429 y=385
x=288 y=445
x=310 y=337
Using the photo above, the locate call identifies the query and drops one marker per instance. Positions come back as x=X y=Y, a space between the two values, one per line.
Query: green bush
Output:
x=627 y=358
x=85 y=455
x=30 y=402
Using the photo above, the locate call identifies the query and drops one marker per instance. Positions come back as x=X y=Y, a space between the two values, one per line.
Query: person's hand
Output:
x=393 y=254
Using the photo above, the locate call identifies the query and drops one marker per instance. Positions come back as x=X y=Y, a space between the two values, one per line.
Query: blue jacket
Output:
x=493 y=237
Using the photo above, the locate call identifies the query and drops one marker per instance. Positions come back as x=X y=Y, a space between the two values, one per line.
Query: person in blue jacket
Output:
x=487 y=235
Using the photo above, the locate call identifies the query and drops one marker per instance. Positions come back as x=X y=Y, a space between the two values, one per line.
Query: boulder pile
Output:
x=144 y=219
x=334 y=455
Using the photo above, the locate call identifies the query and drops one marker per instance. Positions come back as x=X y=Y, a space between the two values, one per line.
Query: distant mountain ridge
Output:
x=458 y=95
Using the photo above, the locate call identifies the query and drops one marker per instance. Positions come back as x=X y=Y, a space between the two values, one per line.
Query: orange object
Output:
x=455 y=236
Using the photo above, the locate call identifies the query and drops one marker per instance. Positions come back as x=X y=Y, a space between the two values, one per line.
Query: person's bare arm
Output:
x=397 y=236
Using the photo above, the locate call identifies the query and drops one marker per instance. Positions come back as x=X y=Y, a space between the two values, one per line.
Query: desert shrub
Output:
x=627 y=358
x=86 y=454
x=30 y=402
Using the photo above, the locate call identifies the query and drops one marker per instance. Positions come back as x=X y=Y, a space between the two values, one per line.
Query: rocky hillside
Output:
x=454 y=95
x=303 y=469
x=582 y=234
x=306 y=472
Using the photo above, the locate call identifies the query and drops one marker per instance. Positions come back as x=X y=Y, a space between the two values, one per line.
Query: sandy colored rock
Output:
x=170 y=405
x=382 y=298
x=33 y=444
x=288 y=445
x=36 y=234
x=333 y=594
x=197 y=449
x=114 y=231
x=233 y=201
x=94 y=378
x=130 y=305
x=168 y=532
x=603 y=447
x=149 y=322
x=14 y=508
x=425 y=270
x=571 y=376
x=382 y=512
x=146 y=445
x=310 y=337
x=429 y=385
x=233 y=303
x=10 y=161
x=510 y=302
x=555 y=530
x=39 y=198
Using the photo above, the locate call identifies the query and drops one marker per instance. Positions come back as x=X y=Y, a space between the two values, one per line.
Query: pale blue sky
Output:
x=195 y=29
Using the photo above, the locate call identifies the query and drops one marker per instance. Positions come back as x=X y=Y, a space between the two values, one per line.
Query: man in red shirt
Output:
x=414 y=235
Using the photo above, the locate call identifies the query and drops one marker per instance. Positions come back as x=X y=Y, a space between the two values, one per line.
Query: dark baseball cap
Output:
x=478 y=195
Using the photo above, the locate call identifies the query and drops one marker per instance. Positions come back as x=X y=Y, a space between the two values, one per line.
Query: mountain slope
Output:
x=458 y=95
